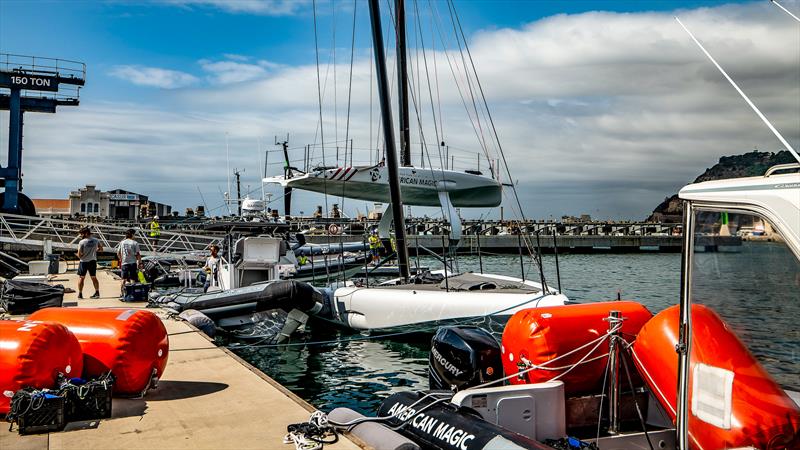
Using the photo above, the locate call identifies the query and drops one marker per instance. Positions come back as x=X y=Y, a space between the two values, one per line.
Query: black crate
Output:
x=41 y=413
x=136 y=292
x=91 y=401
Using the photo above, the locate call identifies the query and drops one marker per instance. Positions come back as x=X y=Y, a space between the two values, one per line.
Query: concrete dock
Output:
x=208 y=398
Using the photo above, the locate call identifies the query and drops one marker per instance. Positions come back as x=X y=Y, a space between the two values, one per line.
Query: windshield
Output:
x=743 y=358
x=746 y=274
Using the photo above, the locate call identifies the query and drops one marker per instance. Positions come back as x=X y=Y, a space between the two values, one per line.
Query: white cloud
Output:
x=153 y=76
x=599 y=113
x=263 y=7
x=235 y=70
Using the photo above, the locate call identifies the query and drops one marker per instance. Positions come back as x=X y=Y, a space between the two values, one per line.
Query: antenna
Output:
x=203 y=199
x=733 y=83
x=228 y=169
x=287 y=173
x=238 y=174
x=787 y=11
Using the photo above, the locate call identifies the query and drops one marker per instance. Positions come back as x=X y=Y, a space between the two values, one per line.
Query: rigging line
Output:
x=392 y=77
x=319 y=96
x=335 y=84
x=427 y=76
x=536 y=255
x=527 y=239
x=350 y=84
x=451 y=8
x=421 y=131
x=456 y=73
x=741 y=93
x=775 y=2
x=431 y=168
x=436 y=79
x=349 y=97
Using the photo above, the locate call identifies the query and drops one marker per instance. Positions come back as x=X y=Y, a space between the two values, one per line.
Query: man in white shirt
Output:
x=212 y=276
x=130 y=260
x=87 y=253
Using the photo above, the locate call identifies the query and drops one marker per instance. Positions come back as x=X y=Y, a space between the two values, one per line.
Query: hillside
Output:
x=747 y=165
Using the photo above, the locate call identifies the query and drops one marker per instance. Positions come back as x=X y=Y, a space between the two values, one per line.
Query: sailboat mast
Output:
x=388 y=131
x=402 y=82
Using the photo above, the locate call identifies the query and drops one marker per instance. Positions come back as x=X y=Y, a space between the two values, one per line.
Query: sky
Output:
x=601 y=107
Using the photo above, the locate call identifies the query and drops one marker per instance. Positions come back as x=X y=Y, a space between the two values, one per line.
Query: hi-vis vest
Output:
x=155 y=229
x=374 y=242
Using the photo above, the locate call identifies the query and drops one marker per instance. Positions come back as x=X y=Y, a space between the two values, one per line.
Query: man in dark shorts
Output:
x=130 y=259
x=87 y=253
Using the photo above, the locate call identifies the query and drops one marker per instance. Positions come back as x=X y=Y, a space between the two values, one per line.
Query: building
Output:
x=115 y=204
x=51 y=206
x=130 y=205
x=88 y=201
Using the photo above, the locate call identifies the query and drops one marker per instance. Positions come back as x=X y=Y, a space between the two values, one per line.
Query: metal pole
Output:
x=519 y=247
x=539 y=259
x=388 y=131
x=555 y=251
x=478 y=238
x=287 y=173
x=444 y=258
x=367 y=257
x=10 y=201
x=613 y=363
x=313 y=272
x=684 y=346
x=402 y=83
x=416 y=248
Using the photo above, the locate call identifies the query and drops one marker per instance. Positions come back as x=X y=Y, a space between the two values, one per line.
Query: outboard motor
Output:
x=463 y=356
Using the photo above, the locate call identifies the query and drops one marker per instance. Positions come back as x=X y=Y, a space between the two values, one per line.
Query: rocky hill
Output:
x=747 y=165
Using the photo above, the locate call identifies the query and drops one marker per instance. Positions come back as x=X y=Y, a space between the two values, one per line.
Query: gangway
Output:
x=32 y=84
x=33 y=232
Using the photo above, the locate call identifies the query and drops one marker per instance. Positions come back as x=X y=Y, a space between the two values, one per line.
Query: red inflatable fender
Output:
x=131 y=343
x=740 y=406
x=544 y=333
x=32 y=354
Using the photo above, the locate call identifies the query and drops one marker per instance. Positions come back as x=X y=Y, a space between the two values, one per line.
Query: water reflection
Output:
x=359 y=374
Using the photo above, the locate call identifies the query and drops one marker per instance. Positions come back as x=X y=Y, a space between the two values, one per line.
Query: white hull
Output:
x=418 y=187
x=378 y=307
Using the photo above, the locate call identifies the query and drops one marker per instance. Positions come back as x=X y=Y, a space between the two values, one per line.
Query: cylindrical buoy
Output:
x=374 y=434
x=535 y=336
x=32 y=354
x=441 y=425
x=733 y=401
x=131 y=343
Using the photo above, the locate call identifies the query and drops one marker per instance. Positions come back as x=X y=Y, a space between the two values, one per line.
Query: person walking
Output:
x=211 y=268
x=130 y=259
x=87 y=253
x=155 y=232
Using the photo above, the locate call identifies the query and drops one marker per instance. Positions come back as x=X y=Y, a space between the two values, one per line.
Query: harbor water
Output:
x=332 y=368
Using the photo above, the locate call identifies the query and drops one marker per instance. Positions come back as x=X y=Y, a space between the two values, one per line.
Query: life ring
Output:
x=334 y=229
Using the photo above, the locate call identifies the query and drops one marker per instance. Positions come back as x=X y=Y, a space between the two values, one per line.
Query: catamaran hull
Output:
x=378 y=308
x=418 y=187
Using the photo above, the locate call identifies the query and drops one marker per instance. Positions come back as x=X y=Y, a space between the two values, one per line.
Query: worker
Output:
x=302 y=260
x=374 y=246
x=211 y=268
x=87 y=253
x=130 y=259
x=155 y=232
x=393 y=242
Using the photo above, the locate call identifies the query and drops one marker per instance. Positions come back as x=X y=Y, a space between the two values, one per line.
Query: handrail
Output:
x=34 y=231
x=780 y=167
